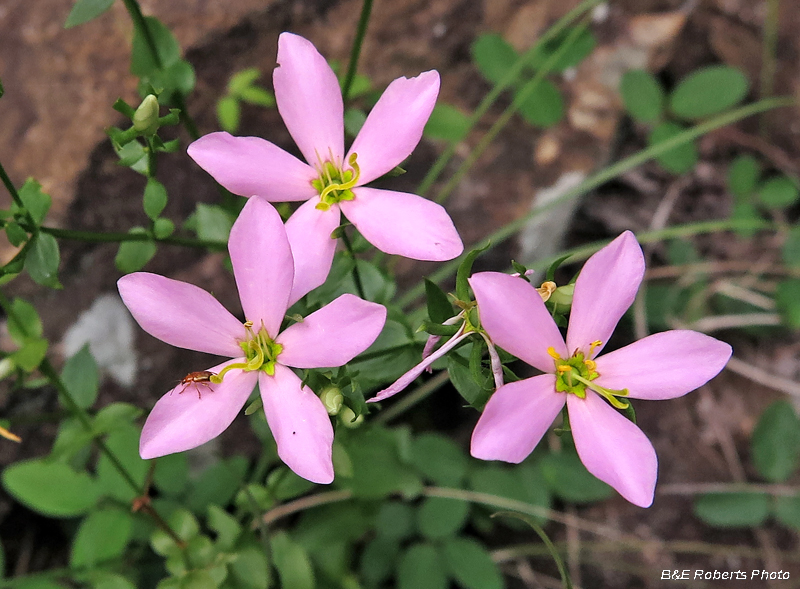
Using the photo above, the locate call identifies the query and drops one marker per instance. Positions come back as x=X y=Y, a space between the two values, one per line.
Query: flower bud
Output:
x=145 y=119
x=348 y=418
x=333 y=399
x=6 y=367
x=562 y=296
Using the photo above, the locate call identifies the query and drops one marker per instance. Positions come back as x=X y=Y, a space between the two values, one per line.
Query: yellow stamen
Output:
x=547 y=289
x=592 y=346
x=9 y=436
x=553 y=354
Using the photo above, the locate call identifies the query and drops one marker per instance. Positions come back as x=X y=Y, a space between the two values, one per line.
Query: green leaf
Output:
x=104 y=580
x=643 y=96
x=378 y=560
x=171 y=474
x=258 y=96
x=85 y=10
x=447 y=122
x=471 y=564
x=143 y=63
x=439 y=459
x=440 y=518
x=732 y=510
x=421 y=567
x=790 y=251
x=114 y=416
x=395 y=521
x=569 y=480
x=30 y=355
x=778 y=193
x=124 y=443
x=132 y=155
x=523 y=483
x=36 y=202
x=465 y=270
x=229 y=113
x=743 y=176
x=43 y=259
x=242 y=80
x=787 y=511
x=461 y=377
x=213 y=223
x=493 y=56
x=788 y=302
x=51 y=488
x=23 y=322
x=677 y=160
x=708 y=91
x=354 y=119
x=225 y=525
x=251 y=569
x=580 y=47
x=72 y=438
x=155 y=198
x=133 y=255
x=103 y=535
x=16 y=234
x=81 y=378
x=285 y=484
x=163 y=228
x=775 y=442
x=544 y=106
x=440 y=309
x=292 y=563
x=218 y=484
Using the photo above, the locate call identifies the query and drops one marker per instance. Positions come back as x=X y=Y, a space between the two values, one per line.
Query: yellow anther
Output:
x=553 y=354
x=9 y=436
x=564 y=368
x=592 y=346
x=547 y=289
x=590 y=364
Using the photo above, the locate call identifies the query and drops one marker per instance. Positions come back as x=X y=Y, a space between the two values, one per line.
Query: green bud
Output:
x=333 y=399
x=348 y=418
x=6 y=367
x=562 y=296
x=145 y=119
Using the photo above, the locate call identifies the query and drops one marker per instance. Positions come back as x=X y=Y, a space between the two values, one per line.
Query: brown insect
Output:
x=203 y=377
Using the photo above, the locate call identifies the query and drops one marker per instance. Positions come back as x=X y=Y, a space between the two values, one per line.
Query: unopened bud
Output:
x=562 y=296
x=333 y=399
x=348 y=418
x=6 y=367
x=145 y=119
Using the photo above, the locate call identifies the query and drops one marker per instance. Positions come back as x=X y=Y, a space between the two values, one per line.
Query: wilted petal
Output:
x=181 y=314
x=394 y=126
x=664 y=365
x=262 y=264
x=613 y=449
x=251 y=166
x=309 y=231
x=299 y=423
x=192 y=414
x=309 y=99
x=515 y=419
x=403 y=224
x=605 y=289
x=514 y=316
x=334 y=335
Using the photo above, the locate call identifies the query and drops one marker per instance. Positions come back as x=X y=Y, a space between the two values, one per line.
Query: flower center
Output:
x=575 y=374
x=260 y=353
x=335 y=184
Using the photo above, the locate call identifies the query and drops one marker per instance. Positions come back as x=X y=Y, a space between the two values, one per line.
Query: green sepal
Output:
x=551 y=270
x=439 y=329
x=464 y=271
x=254 y=406
x=124 y=108
x=439 y=307
x=520 y=269
x=629 y=413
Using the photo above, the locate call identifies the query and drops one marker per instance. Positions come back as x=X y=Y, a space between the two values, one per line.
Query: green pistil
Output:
x=260 y=352
x=575 y=374
x=335 y=184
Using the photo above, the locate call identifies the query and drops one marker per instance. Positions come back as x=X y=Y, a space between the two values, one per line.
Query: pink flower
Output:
x=310 y=102
x=661 y=366
x=186 y=316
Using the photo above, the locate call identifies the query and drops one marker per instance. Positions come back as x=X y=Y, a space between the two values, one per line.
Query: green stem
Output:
x=509 y=112
x=355 y=52
x=115 y=237
x=605 y=175
x=511 y=76
x=769 y=49
x=12 y=190
x=356 y=274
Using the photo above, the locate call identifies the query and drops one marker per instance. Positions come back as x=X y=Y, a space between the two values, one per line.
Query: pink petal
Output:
x=515 y=419
x=192 y=414
x=262 y=264
x=403 y=224
x=309 y=100
x=664 y=365
x=605 y=289
x=334 y=335
x=181 y=314
x=394 y=126
x=251 y=166
x=613 y=449
x=514 y=316
x=299 y=423
x=309 y=232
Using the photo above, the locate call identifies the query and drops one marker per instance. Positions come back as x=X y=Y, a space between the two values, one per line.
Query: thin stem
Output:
x=414 y=397
x=605 y=175
x=12 y=190
x=769 y=53
x=306 y=503
x=355 y=52
x=356 y=273
x=511 y=76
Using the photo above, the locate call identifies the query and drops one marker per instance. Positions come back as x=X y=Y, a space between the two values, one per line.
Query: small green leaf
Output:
x=43 y=259
x=292 y=562
x=229 y=113
x=677 y=160
x=103 y=535
x=544 y=106
x=471 y=564
x=163 y=228
x=439 y=459
x=776 y=442
x=23 y=322
x=354 y=119
x=36 y=202
x=171 y=474
x=441 y=518
x=732 y=510
x=251 y=569
x=378 y=560
x=643 y=96
x=461 y=378
x=225 y=525
x=132 y=155
x=217 y=484
x=778 y=193
x=213 y=223
x=708 y=91
x=494 y=56
x=133 y=255
x=447 y=122
x=143 y=63
x=51 y=488
x=465 y=270
x=155 y=198
x=743 y=176
x=124 y=444
x=395 y=521
x=791 y=247
x=569 y=480
x=114 y=416
x=580 y=47
x=81 y=378
x=30 y=355
x=16 y=234
x=258 y=96
x=787 y=511
x=421 y=567
x=85 y=10
x=788 y=302
x=440 y=309
x=242 y=80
